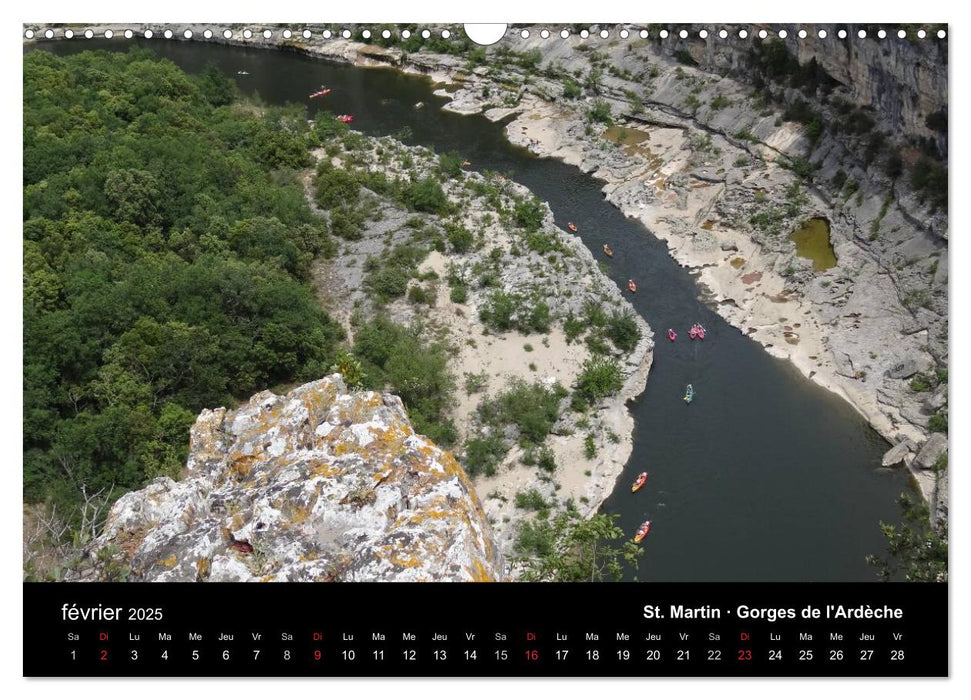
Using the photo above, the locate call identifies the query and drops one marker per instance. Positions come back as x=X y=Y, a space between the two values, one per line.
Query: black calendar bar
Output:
x=430 y=629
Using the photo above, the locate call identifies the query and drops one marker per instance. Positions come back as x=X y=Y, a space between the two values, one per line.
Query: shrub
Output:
x=546 y=460
x=483 y=454
x=542 y=242
x=600 y=377
x=893 y=165
x=529 y=214
x=571 y=89
x=450 y=164
x=498 y=311
x=388 y=277
x=929 y=179
x=595 y=314
x=459 y=294
x=425 y=195
x=335 y=188
x=938 y=423
x=600 y=112
x=531 y=500
x=347 y=223
x=623 y=331
x=460 y=238
x=475 y=383
x=349 y=368
x=538 y=319
x=573 y=327
x=419 y=295
x=921 y=382
x=396 y=358
x=800 y=166
x=589 y=447
x=532 y=408
x=389 y=282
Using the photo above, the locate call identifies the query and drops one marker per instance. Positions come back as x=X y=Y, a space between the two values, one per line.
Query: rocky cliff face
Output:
x=321 y=484
x=903 y=80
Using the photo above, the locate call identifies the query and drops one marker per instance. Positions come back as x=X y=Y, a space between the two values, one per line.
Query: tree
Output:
x=916 y=549
x=336 y=188
x=165 y=264
x=217 y=88
x=134 y=194
x=573 y=549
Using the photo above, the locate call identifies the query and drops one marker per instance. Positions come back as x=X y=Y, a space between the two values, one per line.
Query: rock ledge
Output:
x=321 y=484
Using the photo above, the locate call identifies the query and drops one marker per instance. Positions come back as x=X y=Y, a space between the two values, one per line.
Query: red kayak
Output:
x=320 y=93
x=639 y=482
x=672 y=336
x=345 y=118
x=642 y=531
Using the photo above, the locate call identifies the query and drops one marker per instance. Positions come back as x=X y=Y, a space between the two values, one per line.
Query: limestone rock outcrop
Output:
x=322 y=484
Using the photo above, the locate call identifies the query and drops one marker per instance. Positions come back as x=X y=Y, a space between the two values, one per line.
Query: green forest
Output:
x=167 y=249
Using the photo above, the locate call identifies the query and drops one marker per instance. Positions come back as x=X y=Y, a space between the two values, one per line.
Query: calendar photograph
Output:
x=652 y=315
x=400 y=303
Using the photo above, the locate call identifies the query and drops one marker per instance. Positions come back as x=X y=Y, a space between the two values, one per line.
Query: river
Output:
x=764 y=477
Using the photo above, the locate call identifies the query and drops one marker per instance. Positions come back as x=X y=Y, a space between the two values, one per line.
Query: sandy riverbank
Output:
x=566 y=277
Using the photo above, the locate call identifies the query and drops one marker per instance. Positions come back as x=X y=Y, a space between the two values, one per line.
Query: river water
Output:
x=764 y=477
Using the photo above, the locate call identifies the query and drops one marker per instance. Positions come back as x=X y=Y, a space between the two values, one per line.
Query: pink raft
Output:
x=697 y=332
x=672 y=336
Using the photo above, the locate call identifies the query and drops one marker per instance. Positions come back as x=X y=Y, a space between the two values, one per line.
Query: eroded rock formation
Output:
x=321 y=484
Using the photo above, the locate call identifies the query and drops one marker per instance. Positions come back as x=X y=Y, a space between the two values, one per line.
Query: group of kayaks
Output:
x=697 y=332
x=323 y=92
x=609 y=252
x=646 y=525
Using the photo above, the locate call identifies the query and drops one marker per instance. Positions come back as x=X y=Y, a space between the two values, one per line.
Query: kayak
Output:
x=689 y=394
x=345 y=118
x=572 y=226
x=320 y=93
x=672 y=336
x=642 y=531
x=631 y=286
x=639 y=482
x=608 y=251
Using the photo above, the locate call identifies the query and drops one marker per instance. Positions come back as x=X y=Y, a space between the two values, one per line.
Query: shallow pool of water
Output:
x=812 y=243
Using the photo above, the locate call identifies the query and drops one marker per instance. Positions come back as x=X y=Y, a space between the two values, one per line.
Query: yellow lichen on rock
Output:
x=321 y=484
